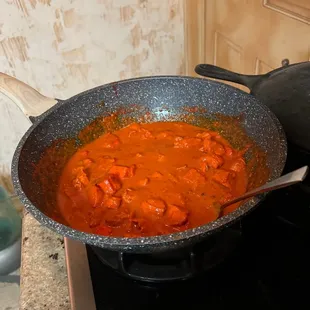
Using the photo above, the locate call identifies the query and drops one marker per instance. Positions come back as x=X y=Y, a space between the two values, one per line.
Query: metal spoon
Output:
x=286 y=180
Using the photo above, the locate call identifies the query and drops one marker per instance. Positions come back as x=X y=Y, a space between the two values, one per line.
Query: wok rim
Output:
x=143 y=244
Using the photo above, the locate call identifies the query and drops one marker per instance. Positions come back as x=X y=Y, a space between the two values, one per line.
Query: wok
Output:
x=165 y=98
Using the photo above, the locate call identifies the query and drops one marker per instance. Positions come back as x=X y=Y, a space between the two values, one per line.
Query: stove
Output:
x=260 y=262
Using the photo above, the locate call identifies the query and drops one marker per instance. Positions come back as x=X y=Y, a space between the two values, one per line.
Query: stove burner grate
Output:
x=177 y=265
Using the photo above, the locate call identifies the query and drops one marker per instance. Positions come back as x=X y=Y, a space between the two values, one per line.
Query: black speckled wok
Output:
x=165 y=98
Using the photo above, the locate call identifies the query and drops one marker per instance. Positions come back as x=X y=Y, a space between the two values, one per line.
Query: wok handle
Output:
x=223 y=74
x=29 y=100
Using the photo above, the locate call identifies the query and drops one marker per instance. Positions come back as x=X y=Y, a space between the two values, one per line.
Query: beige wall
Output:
x=62 y=47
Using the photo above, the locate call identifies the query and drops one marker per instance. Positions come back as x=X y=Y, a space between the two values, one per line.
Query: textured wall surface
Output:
x=61 y=47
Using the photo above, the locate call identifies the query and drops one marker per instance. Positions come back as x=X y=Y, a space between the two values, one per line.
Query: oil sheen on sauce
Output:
x=150 y=179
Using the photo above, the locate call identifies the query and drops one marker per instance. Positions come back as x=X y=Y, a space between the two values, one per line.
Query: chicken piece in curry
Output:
x=150 y=179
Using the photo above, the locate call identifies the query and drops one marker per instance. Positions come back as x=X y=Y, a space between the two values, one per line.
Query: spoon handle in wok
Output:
x=285 y=180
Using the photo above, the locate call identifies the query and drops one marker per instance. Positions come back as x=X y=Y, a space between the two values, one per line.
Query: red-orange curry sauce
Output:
x=150 y=179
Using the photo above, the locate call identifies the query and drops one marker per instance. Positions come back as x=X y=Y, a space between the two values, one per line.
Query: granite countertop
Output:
x=44 y=283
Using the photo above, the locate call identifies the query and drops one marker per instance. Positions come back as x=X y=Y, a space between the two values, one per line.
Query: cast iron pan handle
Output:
x=223 y=74
x=29 y=100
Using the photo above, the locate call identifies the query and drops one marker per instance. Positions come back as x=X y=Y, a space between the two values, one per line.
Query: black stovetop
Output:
x=269 y=268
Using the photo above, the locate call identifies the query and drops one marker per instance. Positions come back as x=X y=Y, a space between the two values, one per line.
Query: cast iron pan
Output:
x=286 y=92
x=165 y=98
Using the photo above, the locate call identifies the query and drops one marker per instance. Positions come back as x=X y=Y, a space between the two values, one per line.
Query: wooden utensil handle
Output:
x=29 y=100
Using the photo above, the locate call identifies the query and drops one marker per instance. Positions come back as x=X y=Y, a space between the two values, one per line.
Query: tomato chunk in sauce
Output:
x=150 y=179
